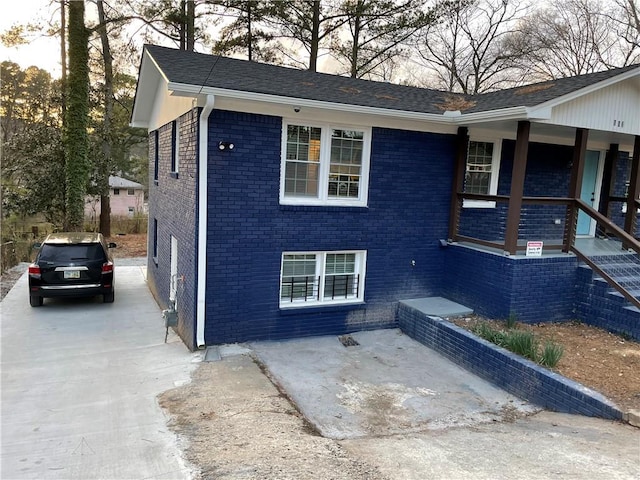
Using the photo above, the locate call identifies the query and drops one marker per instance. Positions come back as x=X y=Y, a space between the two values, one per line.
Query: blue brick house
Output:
x=287 y=203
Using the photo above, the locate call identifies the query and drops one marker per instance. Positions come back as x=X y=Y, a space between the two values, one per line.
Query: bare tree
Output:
x=105 y=163
x=470 y=50
x=626 y=17
x=573 y=37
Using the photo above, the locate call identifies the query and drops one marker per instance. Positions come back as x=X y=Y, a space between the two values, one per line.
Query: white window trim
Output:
x=323 y=173
x=495 y=172
x=360 y=270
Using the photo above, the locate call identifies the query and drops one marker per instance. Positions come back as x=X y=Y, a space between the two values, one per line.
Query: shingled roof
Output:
x=201 y=70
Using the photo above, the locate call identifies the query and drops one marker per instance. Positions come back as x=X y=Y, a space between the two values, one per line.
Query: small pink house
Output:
x=127 y=199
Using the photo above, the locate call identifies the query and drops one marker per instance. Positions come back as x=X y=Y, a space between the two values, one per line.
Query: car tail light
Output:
x=107 y=267
x=34 y=270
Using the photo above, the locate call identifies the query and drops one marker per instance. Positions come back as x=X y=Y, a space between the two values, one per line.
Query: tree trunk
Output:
x=183 y=27
x=105 y=166
x=63 y=56
x=77 y=118
x=356 y=40
x=315 y=37
x=191 y=25
x=249 y=34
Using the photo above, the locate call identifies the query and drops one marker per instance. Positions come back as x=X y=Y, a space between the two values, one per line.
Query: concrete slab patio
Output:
x=79 y=386
x=388 y=384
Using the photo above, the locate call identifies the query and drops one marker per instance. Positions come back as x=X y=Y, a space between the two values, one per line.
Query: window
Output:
x=156 y=156
x=324 y=165
x=131 y=191
x=319 y=278
x=116 y=191
x=155 y=240
x=483 y=165
x=175 y=142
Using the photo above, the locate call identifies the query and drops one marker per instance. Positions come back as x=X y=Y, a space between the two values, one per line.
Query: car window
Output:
x=67 y=253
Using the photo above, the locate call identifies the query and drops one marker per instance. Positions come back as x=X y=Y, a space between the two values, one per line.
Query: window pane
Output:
x=479 y=165
x=346 y=162
x=302 y=162
x=340 y=263
x=299 y=280
x=301 y=179
x=340 y=280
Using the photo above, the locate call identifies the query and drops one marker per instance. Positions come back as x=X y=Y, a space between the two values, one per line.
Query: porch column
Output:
x=634 y=190
x=459 y=170
x=575 y=185
x=517 y=187
x=608 y=178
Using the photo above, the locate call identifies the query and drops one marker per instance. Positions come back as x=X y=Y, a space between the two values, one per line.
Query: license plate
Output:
x=71 y=274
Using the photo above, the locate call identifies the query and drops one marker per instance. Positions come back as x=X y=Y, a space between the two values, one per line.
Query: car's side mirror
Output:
x=37 y=245
x=111 y=245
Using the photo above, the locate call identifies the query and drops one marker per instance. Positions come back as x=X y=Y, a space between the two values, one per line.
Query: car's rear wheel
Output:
x=35 y=301
x=108 y=297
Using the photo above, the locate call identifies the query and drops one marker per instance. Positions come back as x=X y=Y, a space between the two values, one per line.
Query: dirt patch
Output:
x=602 y=361
x=129 y=245
x=242 y=427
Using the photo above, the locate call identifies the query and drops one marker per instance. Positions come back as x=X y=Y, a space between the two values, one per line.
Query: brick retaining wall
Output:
x=516 y=375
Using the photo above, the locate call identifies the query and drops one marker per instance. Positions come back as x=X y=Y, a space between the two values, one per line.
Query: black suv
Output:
x=72 y=265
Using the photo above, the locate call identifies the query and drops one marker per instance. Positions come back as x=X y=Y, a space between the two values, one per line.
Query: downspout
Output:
x=203 y=160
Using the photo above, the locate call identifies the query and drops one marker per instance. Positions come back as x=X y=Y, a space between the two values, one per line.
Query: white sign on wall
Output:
x=534 y=249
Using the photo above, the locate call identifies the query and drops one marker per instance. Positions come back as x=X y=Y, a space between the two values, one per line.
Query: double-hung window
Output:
x=156 y=155
x=324 y=165
x=175 y=147
x=319 y=278
x=481 y=176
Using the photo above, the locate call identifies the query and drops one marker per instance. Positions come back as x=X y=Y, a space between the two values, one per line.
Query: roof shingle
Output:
x=240 y=75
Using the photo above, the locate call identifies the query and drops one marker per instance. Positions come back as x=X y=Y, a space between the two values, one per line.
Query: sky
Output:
x=42 y=51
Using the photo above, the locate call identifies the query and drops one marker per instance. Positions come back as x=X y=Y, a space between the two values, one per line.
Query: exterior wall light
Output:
x=225 y=146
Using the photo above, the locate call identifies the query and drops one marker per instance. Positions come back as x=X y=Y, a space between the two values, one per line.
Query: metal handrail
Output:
x=628 y=241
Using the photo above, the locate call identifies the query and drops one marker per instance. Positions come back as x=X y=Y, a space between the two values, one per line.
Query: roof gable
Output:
x=119 y=182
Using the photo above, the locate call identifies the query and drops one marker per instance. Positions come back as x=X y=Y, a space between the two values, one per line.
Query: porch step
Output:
x=438 y=307
x=615 y=293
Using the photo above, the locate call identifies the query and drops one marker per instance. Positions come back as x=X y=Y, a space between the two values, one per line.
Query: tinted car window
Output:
x=67 y=253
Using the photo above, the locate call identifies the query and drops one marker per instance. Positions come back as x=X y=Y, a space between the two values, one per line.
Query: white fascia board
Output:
x=587 y=90
x=181 y=89
x=512 y=113
x=149 y=80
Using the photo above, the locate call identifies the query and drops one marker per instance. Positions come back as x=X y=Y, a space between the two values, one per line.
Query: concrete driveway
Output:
x=79 y=386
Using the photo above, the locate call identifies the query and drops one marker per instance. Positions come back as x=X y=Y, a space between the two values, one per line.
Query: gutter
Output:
x=203 y=143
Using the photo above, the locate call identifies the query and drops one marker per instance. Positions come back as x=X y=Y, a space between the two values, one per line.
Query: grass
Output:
x=521 y=342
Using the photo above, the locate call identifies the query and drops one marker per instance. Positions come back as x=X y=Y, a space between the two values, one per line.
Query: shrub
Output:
x=523 y=343
x=512 y=319
x=551 y=354
x=486 y=331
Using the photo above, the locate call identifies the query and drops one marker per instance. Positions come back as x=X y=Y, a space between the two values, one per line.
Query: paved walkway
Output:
x=79 y=386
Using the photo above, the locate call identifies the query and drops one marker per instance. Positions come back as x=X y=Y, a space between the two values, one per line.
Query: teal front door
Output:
x=588 y=191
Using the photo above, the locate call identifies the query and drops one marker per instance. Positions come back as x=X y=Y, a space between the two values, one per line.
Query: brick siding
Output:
x=173 y=203
x=495 y=285
x=409 y=192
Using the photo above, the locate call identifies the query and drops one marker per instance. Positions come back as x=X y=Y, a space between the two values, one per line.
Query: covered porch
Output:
x=568 y=185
